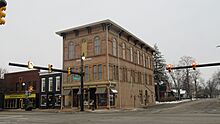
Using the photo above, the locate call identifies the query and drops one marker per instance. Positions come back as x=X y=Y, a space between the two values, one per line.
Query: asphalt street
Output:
x=195 y=112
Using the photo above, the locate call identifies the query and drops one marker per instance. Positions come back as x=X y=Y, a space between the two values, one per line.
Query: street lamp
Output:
x=81 y=87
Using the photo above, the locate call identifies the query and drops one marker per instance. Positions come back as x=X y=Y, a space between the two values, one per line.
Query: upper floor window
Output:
x=58 y=83
x=87 y=73
x=97 y=50
x=71 y=50
x=50 y=84
x=94 y=72
x=144 y=60
x=114 y=49
x=123 y=50
x=138 y=57
x=43 y=85
x=131 y=52
x=100 y=72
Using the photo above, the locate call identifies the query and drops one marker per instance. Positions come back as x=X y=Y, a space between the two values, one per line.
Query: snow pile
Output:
x=175 y=102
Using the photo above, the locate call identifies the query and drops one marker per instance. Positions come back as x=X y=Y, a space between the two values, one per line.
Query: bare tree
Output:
x=2 y=72
x=176 y=78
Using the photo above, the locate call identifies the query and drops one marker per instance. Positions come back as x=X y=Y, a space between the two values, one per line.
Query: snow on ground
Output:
x=175 y=102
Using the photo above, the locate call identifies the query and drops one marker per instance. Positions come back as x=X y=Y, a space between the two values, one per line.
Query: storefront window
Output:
x=57 y=99
x=43 y=100
x=102 y=99
x=58 y=83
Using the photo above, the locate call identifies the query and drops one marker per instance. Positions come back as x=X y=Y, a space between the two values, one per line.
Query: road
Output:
x=196 y=112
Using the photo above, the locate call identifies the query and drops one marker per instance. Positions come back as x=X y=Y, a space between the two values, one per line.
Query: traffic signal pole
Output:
x=44 y=68
x=193 y=66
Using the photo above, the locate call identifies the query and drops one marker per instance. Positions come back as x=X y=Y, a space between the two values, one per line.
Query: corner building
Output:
x=118 y=67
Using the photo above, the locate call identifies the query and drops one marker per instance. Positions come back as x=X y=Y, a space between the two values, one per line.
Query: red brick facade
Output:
x=128 y=79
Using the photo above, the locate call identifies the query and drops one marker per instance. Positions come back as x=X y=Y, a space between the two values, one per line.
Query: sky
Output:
x=178 y=27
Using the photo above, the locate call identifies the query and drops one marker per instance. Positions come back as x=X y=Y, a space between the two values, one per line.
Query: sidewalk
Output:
x=75 y=110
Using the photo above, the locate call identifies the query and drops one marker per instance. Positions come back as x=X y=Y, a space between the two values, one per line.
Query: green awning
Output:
x=100 y=90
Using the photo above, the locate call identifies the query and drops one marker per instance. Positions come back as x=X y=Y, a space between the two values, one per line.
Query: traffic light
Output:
x=169 y=67
x=50 y=67
x=30 y=65
x=2 y=15
x=3 y=4
x=69 y=71
x=194 y=65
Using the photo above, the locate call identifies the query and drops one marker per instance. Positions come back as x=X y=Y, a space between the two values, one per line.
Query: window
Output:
x=131 y=52
x=97 y=45
x=58 y=83
x=43 y=84
x=50 y=84
x=144 y=60
x=123 y=50
x=57 y=100
x=114 y=47
x=94 y=72
x=87 y=73
x=100 y=72
x=149 y=63
x=138 y=57
x=43 y=100
x=71 y=51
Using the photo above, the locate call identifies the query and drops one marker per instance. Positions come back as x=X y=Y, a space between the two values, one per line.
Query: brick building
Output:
x=14 y=89
x=122 y=78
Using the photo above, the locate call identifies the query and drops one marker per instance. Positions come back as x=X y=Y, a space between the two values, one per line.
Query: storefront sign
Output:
x=19 y=96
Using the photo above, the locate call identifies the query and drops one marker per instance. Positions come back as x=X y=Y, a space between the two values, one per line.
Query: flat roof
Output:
x=108 y=22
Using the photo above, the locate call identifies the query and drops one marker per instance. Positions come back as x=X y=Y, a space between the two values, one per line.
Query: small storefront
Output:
x=50 y=101
x=94 y=97
x=15 y=101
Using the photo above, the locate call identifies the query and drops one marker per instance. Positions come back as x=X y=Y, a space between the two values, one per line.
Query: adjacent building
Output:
x=118 y=67
x=18 y=86
x=50 y=90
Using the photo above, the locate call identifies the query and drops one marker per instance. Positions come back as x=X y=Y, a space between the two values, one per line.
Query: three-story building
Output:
x=118 y=69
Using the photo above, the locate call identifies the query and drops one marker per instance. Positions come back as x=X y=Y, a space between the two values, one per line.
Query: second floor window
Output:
x=43 y=85
x=97 y=50
x=71 y=50
x=50 y=84
x=94 y=72
x=114 y=49
x=100 y=72
x=58 y=83
x=138 y=57
x=87 y=73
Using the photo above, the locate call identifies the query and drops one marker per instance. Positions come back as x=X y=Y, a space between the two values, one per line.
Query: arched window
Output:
x=131 y=51
x=138 y=57
x=123 y=50
x=71 y=50
x=97 y=45
x=114 y=47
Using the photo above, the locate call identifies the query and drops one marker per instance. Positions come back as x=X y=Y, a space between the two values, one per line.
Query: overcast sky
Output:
x=179 y=27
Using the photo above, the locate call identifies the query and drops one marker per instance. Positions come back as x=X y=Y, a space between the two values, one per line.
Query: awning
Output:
x=79 y=92
x=100 y=90
x=66 y=92
x=114 y=91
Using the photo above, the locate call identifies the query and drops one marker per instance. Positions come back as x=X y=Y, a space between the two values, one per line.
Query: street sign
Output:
x=76 y=77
